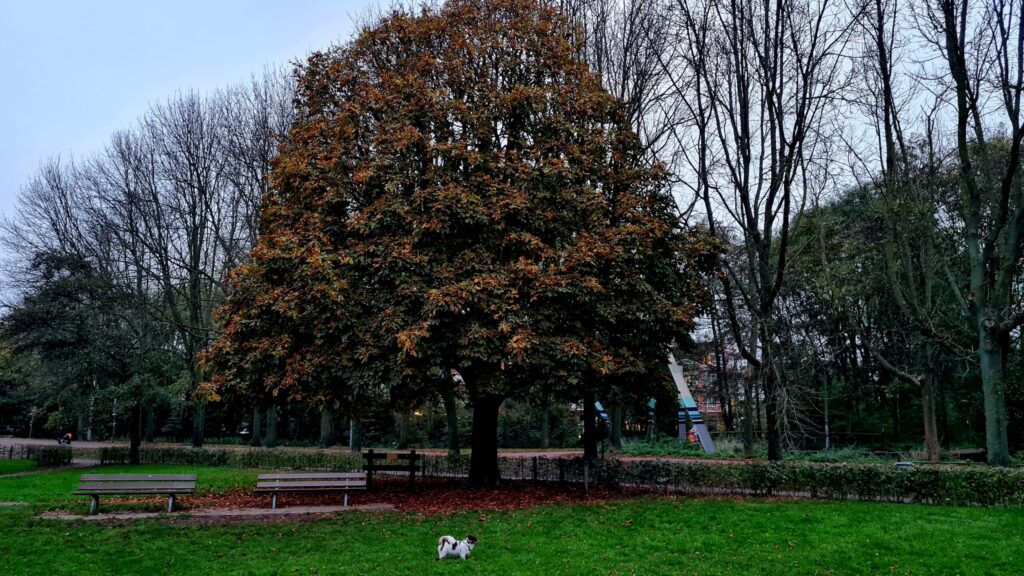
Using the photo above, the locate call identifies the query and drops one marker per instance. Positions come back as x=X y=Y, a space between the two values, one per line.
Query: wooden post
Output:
x=412 y=470
x=369 y=469
x=561 y=471
x=535 y=469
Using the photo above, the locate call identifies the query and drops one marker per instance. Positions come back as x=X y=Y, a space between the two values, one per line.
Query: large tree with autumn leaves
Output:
x=459 y=192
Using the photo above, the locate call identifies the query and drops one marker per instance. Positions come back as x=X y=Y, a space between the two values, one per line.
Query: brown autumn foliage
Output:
x=459 y=192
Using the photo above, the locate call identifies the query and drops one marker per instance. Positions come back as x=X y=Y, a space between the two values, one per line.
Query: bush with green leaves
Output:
x=263 y=458
x=950 y=485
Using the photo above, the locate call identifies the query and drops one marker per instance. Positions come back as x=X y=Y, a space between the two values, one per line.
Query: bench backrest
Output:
x=312 y=480
x=393 y=461
x=137 y=482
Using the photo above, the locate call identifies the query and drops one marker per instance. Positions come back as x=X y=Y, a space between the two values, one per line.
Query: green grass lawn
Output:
x=12 y=466
x=647 y=536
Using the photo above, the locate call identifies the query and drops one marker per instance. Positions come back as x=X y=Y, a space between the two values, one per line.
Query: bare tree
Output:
x=759 y=80
x=982 y=47
x=167 y=209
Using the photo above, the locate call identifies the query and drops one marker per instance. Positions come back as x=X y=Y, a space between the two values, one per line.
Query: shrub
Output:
x=661 y=445
x=951 y=485
x=267 y=458
x=50 y=455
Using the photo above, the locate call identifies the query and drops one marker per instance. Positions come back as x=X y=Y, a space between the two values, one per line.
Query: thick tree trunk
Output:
x=990 y=354
x=615 y=432
x=198 y=423
x=589 y=427
x=257 y=426
x=326 y=428
x=403 y=430
x=271 y=439
x=483 y=463
x=134 y=433
x=451 y=411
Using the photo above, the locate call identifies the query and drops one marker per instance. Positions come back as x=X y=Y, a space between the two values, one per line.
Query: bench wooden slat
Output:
x=314 y=475
x=129 y=487
x=137 y=477
x=393 y=467
x=136 y=493
x=284 y=486
x=170 y=485
x=317 y=489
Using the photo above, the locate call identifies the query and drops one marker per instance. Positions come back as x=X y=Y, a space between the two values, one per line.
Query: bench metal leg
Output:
x=273 y=501
x=346 y=499
x=170 y=503
x=95 y=505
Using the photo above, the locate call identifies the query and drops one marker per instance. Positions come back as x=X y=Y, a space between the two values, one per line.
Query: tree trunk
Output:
x=257 y=426
x=931 y=430
x=451 y=411
x=355 y=435
x=483 y=463
x=773 y=416
x=545 y=428
x=615 y=432
x=749 y=415
x=996 y=439
x=271 y=439
x=403 y=430
x=326 y=428
x=134 y=433
x=150 y=424
x=506 y=431
x=589 y=427
x=198 y=423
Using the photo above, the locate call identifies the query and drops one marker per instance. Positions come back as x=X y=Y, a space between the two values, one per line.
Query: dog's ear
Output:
x=471 y=539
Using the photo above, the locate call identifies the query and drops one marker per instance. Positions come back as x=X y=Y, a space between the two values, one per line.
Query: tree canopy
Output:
x=459 y=192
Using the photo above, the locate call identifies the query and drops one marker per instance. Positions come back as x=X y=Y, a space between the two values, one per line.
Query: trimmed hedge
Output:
x=949 y=485
x=43 y=455
x=267 y=458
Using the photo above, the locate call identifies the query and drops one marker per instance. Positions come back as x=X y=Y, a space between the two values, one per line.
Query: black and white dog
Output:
x=449 y=546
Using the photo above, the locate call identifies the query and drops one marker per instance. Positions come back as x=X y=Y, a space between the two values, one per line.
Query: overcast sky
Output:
x=73 y=72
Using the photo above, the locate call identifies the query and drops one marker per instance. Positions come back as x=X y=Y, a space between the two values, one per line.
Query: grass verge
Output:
x=13 y=466
x=645 y=536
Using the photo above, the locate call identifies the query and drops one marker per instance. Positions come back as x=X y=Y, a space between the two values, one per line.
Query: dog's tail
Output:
x=442 y=540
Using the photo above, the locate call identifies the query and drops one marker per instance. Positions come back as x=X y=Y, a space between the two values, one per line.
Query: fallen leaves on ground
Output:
x=430 y=497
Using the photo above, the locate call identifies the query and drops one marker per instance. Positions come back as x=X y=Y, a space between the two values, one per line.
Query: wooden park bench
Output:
x=310 y=482
x=391 y=462
x=96 y=485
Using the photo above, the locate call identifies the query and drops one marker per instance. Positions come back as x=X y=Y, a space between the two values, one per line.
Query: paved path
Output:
x=84 y=445
x=513 y=453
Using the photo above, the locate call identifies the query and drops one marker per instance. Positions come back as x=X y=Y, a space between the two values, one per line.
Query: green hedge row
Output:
x=43 y=455
x=952 y=485
x=267 y=458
